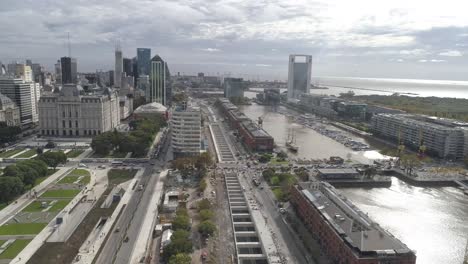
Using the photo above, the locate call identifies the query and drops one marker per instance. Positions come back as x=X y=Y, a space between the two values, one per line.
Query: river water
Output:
x=432 y=221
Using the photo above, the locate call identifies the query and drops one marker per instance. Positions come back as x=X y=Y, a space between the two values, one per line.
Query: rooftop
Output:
x=355 y=227
x=150 y=108
x=337 y=171
x=424 y=120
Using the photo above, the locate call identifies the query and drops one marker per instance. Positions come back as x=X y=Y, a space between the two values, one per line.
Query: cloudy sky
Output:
x=425 y=39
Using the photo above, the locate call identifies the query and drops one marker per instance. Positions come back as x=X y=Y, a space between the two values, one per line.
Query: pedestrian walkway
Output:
x=90 y=247
x=8 y=212
x=140 y=248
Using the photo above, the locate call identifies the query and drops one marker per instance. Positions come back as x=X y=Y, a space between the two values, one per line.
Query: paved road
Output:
x=115 y=249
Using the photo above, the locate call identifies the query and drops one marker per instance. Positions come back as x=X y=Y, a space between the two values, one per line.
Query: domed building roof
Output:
x=151 y=108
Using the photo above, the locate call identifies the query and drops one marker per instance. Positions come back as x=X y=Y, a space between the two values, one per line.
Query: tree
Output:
x=39 y=151
x=180 y=258
x=8 y=133
x=206 y=214
x=181 y=221
x=10 y=187
x=268 y=173
x=274 y=180
x=206 y=228
x=180 y=243
x=204 y=205
x=102 y=144
x=202 y=185
x=53 y=158
x=282 y=155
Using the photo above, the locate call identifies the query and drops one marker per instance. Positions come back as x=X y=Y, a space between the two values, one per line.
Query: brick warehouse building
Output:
x=346 y=235
x=254 y=137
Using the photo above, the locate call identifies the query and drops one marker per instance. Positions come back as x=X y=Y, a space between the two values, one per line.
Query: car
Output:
x=117 y=230
x=82 y=165
x=101 y=166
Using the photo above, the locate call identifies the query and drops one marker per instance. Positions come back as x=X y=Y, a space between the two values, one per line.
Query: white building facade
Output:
x=71 y=112
x=25 y=95
x=186 y=130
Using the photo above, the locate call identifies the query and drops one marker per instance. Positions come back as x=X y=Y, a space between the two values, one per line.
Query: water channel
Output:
x=432 y=221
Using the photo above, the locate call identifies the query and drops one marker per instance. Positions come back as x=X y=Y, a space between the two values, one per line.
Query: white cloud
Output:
x=263 y=65
x=211 y=50
x=414 y=52
x=451 y=53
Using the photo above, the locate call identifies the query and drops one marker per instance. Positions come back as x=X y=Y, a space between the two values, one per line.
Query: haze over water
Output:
x=432 y=221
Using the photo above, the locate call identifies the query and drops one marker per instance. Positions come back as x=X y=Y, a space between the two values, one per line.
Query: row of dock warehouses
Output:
x=253 y=136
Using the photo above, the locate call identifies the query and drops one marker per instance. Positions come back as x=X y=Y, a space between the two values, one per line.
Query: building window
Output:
x=76 y=113
x=57 y=132
x=52 y=132
x=69 y=114
x=43 y=132
x=77 y=132
x=48 y=131
x=63 y=113
x=76 y=123
x=64 y=132
x=94 y=132
x=69 y=123
x=85 y=132
x=99 y=132
x=63 y=123
x=71 y=132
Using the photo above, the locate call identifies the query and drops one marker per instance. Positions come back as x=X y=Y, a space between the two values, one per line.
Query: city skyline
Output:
x=248 y=38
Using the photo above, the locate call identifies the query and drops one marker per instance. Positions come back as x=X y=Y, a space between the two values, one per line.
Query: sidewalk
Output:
x=16 y=206
x=140 y=248
x=96 y=188
x=91 y=246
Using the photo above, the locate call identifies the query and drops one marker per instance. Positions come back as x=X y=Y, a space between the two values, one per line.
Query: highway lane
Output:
x=111 y=251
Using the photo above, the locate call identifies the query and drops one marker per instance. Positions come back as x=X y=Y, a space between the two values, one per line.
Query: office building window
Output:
x=64 y=132
x=69 y=114
x=86 y=132
x=76 y=123
x=43 y=132
x=77 y=132
x=63 y=123
x=63 y=113
x=71 y=132
x=69 y=123
x=76 y=113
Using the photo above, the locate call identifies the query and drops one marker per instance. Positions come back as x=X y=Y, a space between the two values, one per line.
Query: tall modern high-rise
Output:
x=159 y=90
x=300 y=68
x=233 y=87
x=58 y=72
x=143 y=61
x=127 y=66
x=118 y=68
x=68 y=67
x=24 y=94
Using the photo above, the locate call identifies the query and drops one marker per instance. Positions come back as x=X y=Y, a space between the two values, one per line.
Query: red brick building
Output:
x=254 y=137
x=346 y=235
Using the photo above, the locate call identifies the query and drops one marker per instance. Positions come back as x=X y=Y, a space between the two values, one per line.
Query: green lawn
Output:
x=9 y=153
x=79 y=172
x=14 y=249
x=85 y=179
x=59 y=205
x=27 y=154
x=33 y=207
x=74 y=153
x=41 y=179
x=3 y=205
x=117 y=176
x=60 y=194
x=274 y=161
x=69 y=179
x=21 y=229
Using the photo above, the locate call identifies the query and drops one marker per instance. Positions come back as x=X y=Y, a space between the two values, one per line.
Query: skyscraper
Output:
x=159 y=89
x=143 y=61
x=127 y=66
x=118 y=68
x=233 y=87
x=69 y=70
x=300 y=67
x=24 y=94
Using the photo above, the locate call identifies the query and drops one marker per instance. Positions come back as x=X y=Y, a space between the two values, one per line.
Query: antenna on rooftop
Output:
x=69 y=46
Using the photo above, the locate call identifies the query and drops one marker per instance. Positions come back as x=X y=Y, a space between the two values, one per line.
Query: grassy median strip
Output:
x=21 y=229
x=74 y=153
x=37 y=206
x=79 y=172
x=14 y=249
x=60 y=194
x=69 y=179
x=27 y=154
x=10 y=153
